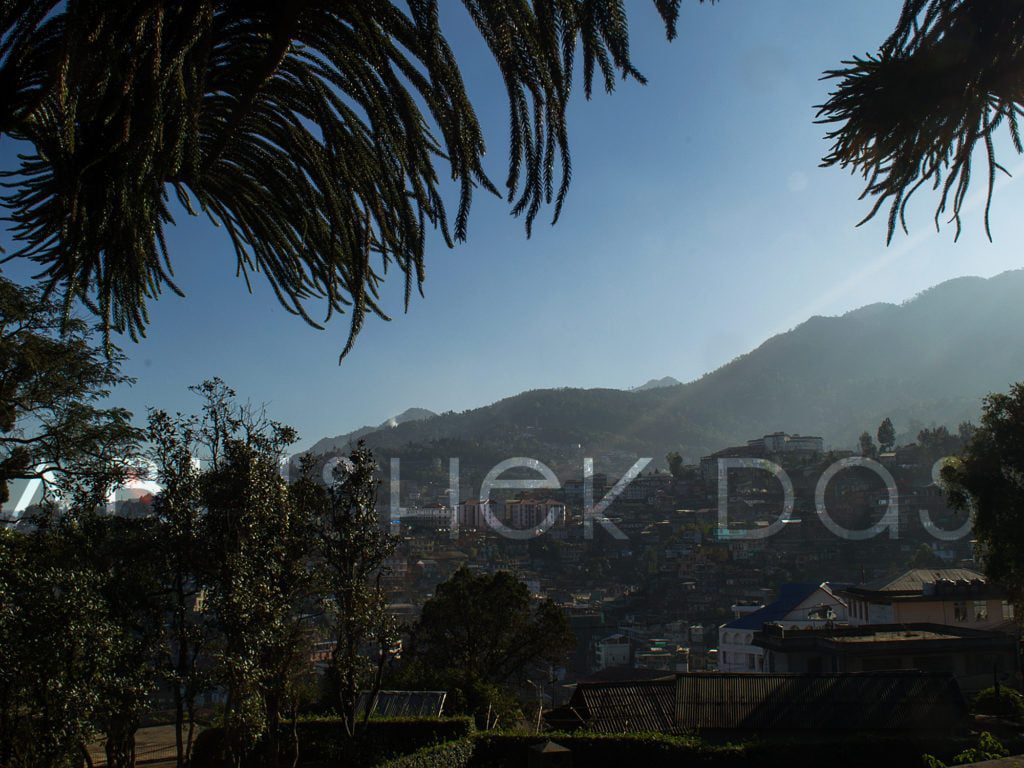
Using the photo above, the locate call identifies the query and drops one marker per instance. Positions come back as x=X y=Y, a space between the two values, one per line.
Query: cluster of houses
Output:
x=950 y=621
x=893 y=656
x=678 y=618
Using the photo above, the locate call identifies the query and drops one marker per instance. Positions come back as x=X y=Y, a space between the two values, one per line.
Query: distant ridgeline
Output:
x=927 y=361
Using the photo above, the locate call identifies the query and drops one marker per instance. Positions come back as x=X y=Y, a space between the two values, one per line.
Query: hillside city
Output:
x=504 y=383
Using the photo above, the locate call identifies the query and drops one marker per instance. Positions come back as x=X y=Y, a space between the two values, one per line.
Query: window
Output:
x=1007 y=610
x=725 y=657
x=980 y=610
x=750 y=661
x=959 y=611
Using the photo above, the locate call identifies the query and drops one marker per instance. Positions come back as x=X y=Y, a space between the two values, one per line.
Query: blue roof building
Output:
x=797 y=605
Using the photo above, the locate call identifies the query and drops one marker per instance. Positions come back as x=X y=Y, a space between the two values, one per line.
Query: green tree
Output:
x=351 y=549
x=886 y=435
x=53 y=380
x=867 y=446
x=987 y=482
x=57 y=640
x=70 y=644
x=989 y=748
x=260 y=583
x=80 y=624
x=965 y=431
x=483 y=632
x=240 y=551
x=937 y=442
x=124 y=557
x=179 y=508
x=675 y=463
x=314 y=132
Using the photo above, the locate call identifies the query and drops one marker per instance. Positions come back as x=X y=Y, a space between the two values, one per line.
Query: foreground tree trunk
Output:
x=120 y=744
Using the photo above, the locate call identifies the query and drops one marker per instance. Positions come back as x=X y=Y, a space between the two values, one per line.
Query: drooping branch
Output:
x=937 y=92
x=314 y=133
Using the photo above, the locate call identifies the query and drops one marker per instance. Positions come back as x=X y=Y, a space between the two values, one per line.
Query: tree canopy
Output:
x=886 y=435
x=987 y=482
x=53 y=380
x=938 y=89
x=482 y=631
x=317 y=134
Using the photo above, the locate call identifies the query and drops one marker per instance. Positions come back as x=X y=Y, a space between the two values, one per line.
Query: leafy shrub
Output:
x=454 y=754
x=1009 y=703
x=989 y=748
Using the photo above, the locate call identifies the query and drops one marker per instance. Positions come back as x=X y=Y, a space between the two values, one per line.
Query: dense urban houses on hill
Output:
x=798 y=605
x=645 y=488
x=975 y=658
x=953 y=596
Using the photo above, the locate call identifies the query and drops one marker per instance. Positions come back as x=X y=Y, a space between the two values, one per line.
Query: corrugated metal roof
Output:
x=886 y=701
x=915 y=579
x=404 y=703
x=632 y=706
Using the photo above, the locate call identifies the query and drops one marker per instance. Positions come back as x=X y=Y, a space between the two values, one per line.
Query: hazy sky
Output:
x=698 y=225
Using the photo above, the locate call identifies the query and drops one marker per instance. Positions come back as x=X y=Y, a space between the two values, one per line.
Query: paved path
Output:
x=154 y=748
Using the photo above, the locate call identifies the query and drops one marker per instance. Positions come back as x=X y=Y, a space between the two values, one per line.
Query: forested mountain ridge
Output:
x=928 y=360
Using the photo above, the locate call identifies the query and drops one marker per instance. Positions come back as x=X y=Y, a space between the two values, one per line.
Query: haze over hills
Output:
x=927 y=361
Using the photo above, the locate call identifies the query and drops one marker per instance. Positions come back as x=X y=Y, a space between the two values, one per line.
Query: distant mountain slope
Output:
x=929 y=360
x=666 y=381
x=341 y=442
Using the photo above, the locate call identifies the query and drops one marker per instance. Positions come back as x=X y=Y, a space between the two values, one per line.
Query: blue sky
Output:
x=698 y=225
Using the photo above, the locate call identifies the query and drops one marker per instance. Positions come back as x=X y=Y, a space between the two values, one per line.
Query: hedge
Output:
x=451 y=743
x=651 y=750
x=454 y=754
x=1008 y=703
x=324 y=739
x=663 y=751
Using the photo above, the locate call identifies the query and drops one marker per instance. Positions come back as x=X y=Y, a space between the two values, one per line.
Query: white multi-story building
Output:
x=525 y=514
x=472 y=513
x=798 y=605
x=612 y=651
x=780 y=442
